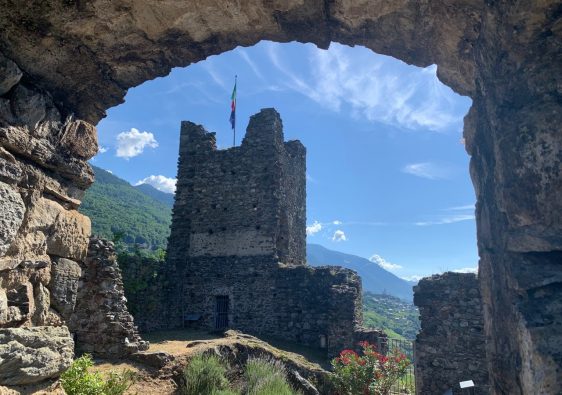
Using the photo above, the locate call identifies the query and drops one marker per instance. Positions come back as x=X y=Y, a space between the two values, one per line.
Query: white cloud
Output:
x=339 y=235
x=428 y=170
x=384 y=263
x=133 y=142
x=414 y=277
x=445 y=220
x=109 y=171
x=162 y=183
x=337 y=222
x=102 y=149
x=316 y=227
x=374 y=87
x=466 y=270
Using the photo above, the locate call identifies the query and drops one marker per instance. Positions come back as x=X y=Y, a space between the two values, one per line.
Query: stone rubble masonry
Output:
x=450 y=347
x=101 y=323
x=239 y=230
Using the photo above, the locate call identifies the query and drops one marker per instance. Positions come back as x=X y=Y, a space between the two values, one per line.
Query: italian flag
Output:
x=233 y=106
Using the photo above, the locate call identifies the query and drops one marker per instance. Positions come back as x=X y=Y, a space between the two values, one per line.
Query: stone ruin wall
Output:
x=239 y=230
x=504 y=55
x=45 y=263
x=450 y=347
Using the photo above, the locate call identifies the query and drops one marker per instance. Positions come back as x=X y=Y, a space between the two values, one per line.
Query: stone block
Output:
x=31 y=355
x=65 y=276
x=12 y=211
x=28 y=107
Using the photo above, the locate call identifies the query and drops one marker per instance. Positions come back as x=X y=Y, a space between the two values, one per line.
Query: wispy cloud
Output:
x=251 y=63
x=386 y=265
x=428 y=170
x=339 y=235
x=356 y=78
x=215 y=76
x=448 y=220
x=162 y=183
x=133 y=143
x=102 y=149
x=461 y=208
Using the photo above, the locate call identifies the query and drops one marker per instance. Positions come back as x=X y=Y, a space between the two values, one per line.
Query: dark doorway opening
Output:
x=221 y=312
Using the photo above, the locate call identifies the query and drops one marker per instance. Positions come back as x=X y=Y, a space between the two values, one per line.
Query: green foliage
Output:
x=266 y=377
x=399 y=319
x=205 y=374
x=140 y=272
x=371 y=373
x=124 y=213
x=76 y=380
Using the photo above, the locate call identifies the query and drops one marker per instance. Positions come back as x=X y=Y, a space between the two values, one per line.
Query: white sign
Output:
x=467 y=384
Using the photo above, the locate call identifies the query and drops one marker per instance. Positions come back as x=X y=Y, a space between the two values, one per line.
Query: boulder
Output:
x=12 y=210
x=31 y=355
x=10 y=74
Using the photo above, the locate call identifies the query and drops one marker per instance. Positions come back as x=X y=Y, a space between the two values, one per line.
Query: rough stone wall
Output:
x=450 y=347
x=43 y=175
x=101 y=322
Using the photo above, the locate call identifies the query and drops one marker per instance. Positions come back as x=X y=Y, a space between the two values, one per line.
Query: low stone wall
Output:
x=101 y=322
x=450 y=347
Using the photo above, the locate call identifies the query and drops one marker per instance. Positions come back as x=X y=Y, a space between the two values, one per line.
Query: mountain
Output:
x=162 y=197
x=375 y=279
x=116 y=207
x=398 y=318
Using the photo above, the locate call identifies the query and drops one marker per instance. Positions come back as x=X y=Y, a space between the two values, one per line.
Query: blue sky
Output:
x=387 y=173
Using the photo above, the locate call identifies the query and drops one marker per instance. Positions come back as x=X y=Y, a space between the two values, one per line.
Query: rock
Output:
x=68 y=236
x=80 y=138
x=65 y=275
x=10 y=74
x=12 y=211
x=31 y=355
x=28 y=106
x=300 y=383
x=153 y=359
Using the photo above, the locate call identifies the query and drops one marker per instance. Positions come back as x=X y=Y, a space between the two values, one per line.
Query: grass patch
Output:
x=205 y=374
x=266 y=377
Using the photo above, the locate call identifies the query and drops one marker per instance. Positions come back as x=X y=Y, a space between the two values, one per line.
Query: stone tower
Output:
x=237 y=249
x=245 y=201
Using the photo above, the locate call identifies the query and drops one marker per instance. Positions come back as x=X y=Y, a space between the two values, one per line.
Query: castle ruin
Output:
x=237 y=247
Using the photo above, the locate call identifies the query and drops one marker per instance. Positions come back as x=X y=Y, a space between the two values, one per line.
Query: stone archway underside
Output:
x=80 y=57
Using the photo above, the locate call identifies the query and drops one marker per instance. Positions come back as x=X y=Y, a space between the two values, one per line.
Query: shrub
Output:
x=371 y=373
x=205 y=374
x=266 y=377
x=76 y=380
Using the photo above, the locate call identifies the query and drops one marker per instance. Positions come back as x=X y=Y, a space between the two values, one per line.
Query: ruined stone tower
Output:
x=237 y=247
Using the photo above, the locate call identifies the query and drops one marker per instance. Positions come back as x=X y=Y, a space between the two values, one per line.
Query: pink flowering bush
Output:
x=370 y=373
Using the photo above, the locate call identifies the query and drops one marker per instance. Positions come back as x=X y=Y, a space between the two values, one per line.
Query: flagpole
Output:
x=236 y=105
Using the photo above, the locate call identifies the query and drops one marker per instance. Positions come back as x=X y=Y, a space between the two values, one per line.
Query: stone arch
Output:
x=85 y=54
